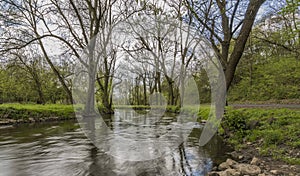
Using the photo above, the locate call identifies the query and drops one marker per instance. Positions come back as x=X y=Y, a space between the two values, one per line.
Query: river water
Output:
x=62 y=149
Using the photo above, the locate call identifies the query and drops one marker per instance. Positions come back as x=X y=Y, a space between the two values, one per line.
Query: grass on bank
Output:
x=275 y=132
x=25 y=111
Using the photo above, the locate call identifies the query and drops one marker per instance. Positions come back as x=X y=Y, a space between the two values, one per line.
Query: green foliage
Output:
x=20 y=83
x=235 y=122
x=279 y=79
x=277 y=132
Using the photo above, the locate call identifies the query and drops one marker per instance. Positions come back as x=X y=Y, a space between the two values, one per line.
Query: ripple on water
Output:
x=67 y=152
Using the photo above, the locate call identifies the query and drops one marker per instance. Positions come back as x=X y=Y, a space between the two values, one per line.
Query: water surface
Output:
x=62 y=149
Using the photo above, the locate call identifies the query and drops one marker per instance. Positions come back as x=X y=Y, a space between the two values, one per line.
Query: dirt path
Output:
x=289 y=106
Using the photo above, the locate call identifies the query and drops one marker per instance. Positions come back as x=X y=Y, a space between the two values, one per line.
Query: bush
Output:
x=235 y=122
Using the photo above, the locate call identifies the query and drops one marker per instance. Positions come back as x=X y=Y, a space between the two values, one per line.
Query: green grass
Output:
x=26 y=111
x=276 y=132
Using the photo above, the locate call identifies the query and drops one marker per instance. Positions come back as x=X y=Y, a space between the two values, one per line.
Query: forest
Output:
x=39 y=50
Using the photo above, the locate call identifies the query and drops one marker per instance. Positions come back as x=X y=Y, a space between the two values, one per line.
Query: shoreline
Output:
x=251 y=132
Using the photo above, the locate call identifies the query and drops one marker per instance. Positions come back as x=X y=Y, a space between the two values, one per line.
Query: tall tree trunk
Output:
x=145 y=90
x=240 y=44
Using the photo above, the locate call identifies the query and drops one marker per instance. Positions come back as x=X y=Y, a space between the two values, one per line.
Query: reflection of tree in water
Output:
x=187 y=159
x=183 y=160
x=93 y=154
x=108 y=119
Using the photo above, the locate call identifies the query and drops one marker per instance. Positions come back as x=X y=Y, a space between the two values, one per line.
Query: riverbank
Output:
x=265 y=142
x=272 y=134
x=264 y=132
x=11 y=114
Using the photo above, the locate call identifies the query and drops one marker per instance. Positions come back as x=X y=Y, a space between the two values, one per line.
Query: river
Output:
x=62 y=149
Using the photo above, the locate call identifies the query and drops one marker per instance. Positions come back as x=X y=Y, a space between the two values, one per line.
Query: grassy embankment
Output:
x=28 y=113
x=273 y=132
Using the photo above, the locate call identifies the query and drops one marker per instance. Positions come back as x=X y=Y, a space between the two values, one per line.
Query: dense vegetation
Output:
x=274 y=132
x=276 y=79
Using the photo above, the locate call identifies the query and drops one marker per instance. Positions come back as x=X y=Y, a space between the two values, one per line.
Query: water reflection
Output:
x=129 y=135
x=63 y=149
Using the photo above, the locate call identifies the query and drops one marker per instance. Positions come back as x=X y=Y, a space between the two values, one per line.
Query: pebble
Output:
x=274 y=172
x=255 y=161
x=284 y=166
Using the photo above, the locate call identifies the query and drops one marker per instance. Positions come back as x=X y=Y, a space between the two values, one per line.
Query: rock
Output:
x=227 y=165
x=234 y=154
x=224 y=166
x=20 y=121
x=31 y=120
x=232 y=172
x=223 y=173
x=263 y=174
x=285 y=166
x=247 y=169
x=249 y=143
x=275 y=172
x=3 y=123
x=231 y=162
x=213 y=173
x=214 y=168
x=253 y=124
x=255 y=161
x=240 y=157
x=12 y=121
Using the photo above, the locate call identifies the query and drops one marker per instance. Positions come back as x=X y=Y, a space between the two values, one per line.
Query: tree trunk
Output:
x=239 y=46
x=56 y=72
x=145 y=90
x=90 y=101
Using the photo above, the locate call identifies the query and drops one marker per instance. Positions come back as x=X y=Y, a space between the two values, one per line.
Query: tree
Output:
x=23 y=28
x=77 y=27
x=223 y=22
x=164 y=43
x=281 y=29
x=33 y=68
